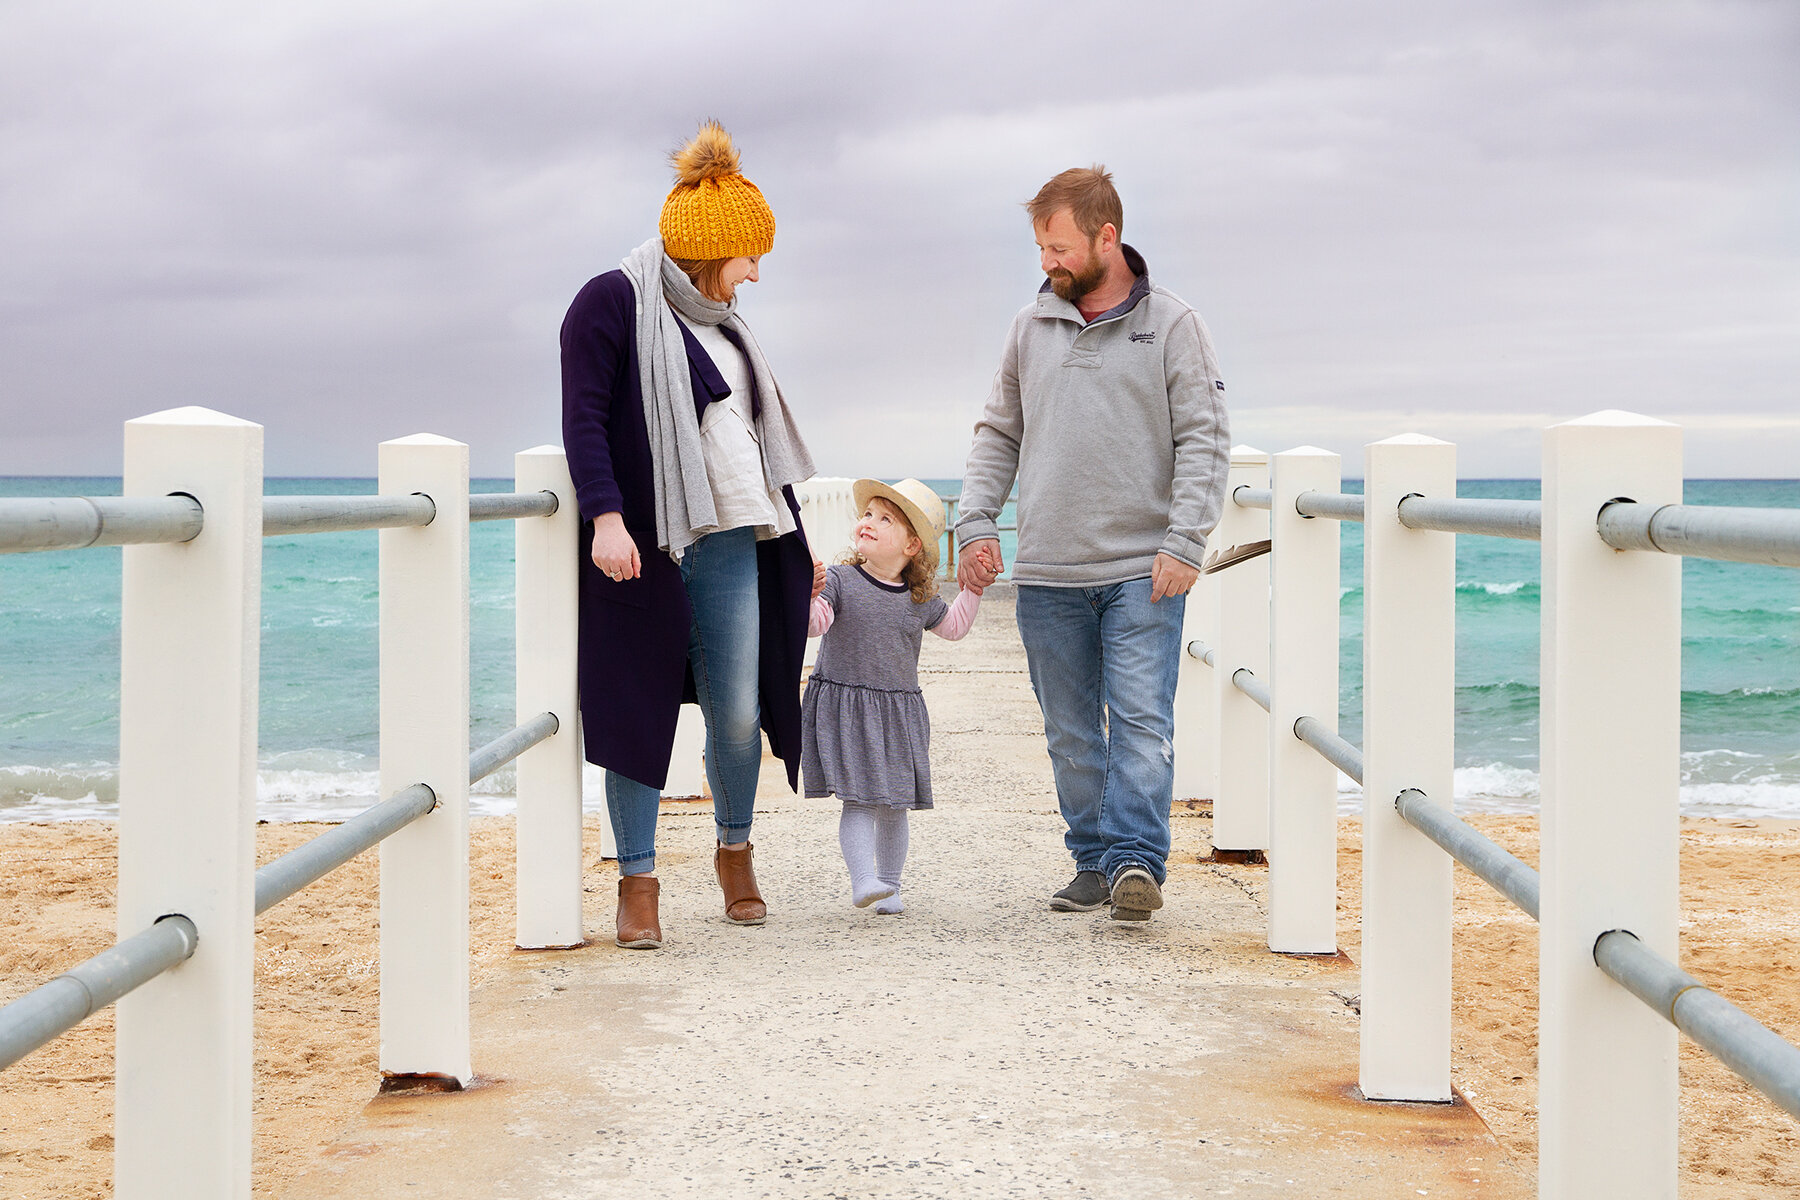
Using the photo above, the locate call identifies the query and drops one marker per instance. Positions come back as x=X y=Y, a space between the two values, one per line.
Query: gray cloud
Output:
x=356 y=222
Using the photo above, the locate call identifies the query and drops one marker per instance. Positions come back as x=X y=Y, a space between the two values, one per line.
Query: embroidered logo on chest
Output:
x=1144 y=337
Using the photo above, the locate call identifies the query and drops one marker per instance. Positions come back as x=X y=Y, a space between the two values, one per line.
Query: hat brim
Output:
x=928 y=532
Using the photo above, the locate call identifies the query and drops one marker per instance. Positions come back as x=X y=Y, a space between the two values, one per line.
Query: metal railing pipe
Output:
x=1763 y=1058
x=335 y=514
x=1245 y=681
x=510 y=745
x=1498 y=869
x=1519 y=519
x=1203 y=652
x=501 y=506
x=46 y=1013
x=1752 y=535
x=332 y=849
x=1343 y=755
x=1249 y=497
x=75 y=522
x=1337 y=506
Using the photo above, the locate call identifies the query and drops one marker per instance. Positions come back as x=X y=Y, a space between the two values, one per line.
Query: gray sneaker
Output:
x=1134 y=894
x=1086 y=892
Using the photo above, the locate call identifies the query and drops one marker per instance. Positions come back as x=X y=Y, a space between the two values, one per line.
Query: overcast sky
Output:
x=356 y=221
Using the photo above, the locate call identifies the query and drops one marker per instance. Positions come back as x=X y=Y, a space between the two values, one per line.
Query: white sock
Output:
x=892 y=906
x=857 y=839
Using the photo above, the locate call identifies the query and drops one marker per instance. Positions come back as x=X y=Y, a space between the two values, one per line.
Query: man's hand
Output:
x=1169 y=576
x=614 y=551
x=818 y=578
x=981 y=564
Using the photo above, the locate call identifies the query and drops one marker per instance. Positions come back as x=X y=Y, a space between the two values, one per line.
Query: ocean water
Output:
x=1740 y=663
x=59 y=666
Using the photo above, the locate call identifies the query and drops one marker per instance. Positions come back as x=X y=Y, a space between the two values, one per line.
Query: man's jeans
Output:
x=1103 y=664
x=723 y=649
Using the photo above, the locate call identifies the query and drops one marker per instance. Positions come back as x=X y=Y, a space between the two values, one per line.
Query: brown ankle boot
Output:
x=637 y=923
x=743 y=905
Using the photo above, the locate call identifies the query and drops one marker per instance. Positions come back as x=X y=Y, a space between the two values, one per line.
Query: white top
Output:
x=728 y=442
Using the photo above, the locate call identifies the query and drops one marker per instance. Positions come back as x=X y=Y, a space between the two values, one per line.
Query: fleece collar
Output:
x=1049 y=304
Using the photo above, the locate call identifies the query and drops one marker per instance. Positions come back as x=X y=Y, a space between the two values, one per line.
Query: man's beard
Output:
x=1071 y=287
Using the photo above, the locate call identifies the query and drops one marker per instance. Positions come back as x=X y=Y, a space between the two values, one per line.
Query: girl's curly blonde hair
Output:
x=918 y=574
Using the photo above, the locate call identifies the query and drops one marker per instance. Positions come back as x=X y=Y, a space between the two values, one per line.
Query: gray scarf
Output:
x=684 y=499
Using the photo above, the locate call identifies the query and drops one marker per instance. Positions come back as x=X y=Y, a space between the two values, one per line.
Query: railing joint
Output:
x=172 y=496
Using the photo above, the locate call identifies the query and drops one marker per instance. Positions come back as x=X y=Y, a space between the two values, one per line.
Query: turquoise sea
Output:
x=59 y=665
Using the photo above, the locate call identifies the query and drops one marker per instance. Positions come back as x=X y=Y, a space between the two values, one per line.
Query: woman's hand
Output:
x=614 y=551
x=818 y=578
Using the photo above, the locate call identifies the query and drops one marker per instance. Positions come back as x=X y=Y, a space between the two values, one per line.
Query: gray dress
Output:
x=867 y=739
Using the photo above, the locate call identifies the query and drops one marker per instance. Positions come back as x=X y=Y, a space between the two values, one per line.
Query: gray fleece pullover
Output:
x=1116 y=431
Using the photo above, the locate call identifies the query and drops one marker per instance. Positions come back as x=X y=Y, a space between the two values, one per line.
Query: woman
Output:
x=696 y=577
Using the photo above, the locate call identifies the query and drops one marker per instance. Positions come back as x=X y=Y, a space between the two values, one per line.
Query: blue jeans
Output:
x=723 y=649
x=1103 y=663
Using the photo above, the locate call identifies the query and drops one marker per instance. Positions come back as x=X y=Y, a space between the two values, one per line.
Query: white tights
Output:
x=873 y=839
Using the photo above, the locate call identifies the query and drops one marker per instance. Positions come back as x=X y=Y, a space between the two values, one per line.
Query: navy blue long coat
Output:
x=634 y=633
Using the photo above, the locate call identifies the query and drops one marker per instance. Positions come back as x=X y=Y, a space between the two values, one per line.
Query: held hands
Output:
x=981 y=564
x=614 y=551
x=1169 y=576
x=818 y=578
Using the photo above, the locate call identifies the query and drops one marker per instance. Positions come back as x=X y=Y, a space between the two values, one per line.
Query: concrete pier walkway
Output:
x=978 y=1045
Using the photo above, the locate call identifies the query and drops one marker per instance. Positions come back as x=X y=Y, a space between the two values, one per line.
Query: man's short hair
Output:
x=1088 y=194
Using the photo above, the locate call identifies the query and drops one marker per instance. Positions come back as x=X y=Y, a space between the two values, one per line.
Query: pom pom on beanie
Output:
x=713 y=211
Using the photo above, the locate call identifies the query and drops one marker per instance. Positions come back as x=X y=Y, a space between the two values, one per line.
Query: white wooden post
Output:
x=1409 y=705
x=687 y=758
x=425 y=739
x=190 y=630
x=548 y=884
x=1240 y=740
x=1303 y=681
x=1196 y=701
x=828 y=514
x=1611 y=772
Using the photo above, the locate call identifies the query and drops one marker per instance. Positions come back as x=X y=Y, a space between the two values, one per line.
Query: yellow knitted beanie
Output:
x=714 y=212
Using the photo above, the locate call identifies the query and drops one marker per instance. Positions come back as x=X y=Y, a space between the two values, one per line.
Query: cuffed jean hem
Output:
x=732 y=835
x=638 y=866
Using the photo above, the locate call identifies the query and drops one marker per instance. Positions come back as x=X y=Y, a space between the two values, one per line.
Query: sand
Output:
x=316 y=998
x=1740 y=935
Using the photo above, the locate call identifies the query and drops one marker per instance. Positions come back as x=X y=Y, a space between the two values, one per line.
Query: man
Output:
x=1109 y=410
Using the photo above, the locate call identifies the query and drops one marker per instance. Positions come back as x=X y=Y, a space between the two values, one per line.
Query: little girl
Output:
x=866 y=734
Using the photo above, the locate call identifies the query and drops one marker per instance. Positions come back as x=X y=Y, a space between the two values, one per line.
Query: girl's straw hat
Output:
x=920 y=504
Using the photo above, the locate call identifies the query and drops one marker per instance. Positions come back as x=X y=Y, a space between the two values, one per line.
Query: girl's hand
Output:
x=818 y=578
x=981 y=564
x=614 y=551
